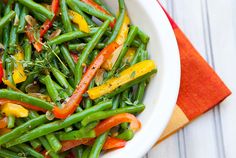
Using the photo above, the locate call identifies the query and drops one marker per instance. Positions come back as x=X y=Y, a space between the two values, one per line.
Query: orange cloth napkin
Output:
x=200 y=89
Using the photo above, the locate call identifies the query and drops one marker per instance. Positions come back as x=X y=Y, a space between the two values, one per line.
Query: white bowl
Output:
x=162 y=92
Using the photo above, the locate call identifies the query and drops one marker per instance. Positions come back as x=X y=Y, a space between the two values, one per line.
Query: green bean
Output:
x=125 y=96
x=6 y=30
x=27 y=50
x=37 y=8
x=91 y=10
x=115 y=102
x=18 y=131
x=62 y=80
x=77 y=9
x=44 y=129
x=70 y=36
x=86 y=152
x=136 y=43
x=126 y=135
x=42 y=80
x=87 y=50
x=25 y=98
x=35 y=143
x=11 y=121
x=54 y=142
x=130 y=38
x=97 y=146
x=85 y=132
x=22 y=23
x=7 y=153
x=105 y=114
x=65 y=17
x=47 y=146
x=119 y=22
x=142 y=85
x=69 y=60
x=64 y=69
x=7 y=19
x=79 y=151
x=130 y=84
x=137 y=54
x=30 y=151
x=81 y=46
x=71 y=82
x=13 y=41
x=143 y=36
x=52 y=91
x=38 y=16
x=62 y=93
x=75 y=135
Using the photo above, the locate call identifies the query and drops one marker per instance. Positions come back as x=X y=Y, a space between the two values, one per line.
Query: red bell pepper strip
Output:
x=48 y=23
x=1 y=72
x=69 y=144
x=26 y=105
x=3 y=122
x=30 y=34
x=113 y=121
x=70 y=106
x=101 y=9
x=113 y=143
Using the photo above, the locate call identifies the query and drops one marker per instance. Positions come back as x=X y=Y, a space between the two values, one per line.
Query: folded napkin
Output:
x=200 y=89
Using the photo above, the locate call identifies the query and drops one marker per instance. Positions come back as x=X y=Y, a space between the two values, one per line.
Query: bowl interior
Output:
x=162 y=91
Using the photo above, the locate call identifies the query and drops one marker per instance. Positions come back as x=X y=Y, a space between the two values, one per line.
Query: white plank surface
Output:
x=211 y=26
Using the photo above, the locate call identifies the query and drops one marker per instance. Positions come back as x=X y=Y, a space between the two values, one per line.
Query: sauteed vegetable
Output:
x=73 y=77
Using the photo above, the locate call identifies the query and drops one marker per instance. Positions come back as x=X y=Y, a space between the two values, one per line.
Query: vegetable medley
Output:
x=73 y=76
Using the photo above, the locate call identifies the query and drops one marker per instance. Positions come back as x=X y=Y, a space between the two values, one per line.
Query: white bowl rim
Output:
x=153 y=8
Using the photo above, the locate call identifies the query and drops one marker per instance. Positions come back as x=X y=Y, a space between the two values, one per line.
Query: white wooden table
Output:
x=211 y=26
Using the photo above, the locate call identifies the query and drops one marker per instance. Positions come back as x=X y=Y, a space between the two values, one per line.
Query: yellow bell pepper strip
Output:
x=124 y=77
x=120 y=39
x=79 y=20
x=14 y=109
x=129 y=55
x=108 y=64
x=123 y=33
x=18 y=72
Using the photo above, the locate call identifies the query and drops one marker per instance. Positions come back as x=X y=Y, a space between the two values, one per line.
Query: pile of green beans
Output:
x=53 y=74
